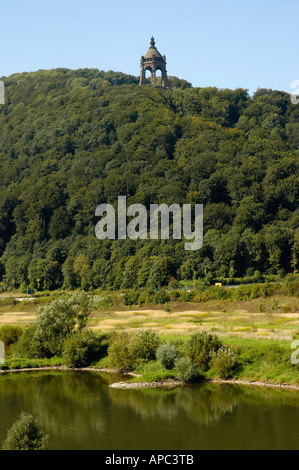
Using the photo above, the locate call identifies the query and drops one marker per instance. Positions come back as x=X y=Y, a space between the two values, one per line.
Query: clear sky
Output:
x=222 y=43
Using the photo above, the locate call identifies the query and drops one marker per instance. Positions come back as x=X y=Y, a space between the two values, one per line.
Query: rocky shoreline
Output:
x=165 y=384
x=173 y=383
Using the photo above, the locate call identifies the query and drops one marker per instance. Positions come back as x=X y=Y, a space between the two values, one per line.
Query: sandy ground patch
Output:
x=12 y=314
x=245 y=315
x=138 y=312
x=287 y=315
x=180 y=326
x=192 y=312
x=16 y=317
x=112 y=322
x=160 y=313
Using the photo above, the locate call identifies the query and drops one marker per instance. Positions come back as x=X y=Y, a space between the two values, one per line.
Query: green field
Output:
x=260 y=331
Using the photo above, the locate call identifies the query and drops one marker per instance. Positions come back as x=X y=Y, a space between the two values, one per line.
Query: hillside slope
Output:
x=71 y=140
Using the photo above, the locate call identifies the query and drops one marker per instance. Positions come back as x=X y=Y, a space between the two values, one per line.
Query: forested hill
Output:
x=71 y=140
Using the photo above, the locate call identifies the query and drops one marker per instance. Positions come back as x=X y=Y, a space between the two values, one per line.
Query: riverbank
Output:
x=175 y=383
x=167 y=383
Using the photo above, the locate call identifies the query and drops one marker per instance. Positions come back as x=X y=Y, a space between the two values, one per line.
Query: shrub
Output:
x=55 y=322
x=131 y=298
x=9 y=335
x=255 y=292
x=200 y=347
x=144 y=298
x=143 y=345
x=81 y=348
x=118 y=352
x=26 y=345
x=291 y=285
x=25 y=434
x=223 y=362
x=186 y=370
x=160 y=297
x=147 y=367
x=167 y=354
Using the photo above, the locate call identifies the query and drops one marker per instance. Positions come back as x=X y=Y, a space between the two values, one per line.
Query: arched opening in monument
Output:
x=148 y=76
x=158 y=78
x=155 y=80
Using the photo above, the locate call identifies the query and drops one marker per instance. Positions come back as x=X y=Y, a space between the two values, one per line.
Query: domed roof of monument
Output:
x=153 y=51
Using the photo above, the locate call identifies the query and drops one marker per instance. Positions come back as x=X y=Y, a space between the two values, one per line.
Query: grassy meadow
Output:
x=260 y=330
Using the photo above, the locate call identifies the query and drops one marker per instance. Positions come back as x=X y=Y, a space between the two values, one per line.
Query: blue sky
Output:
x=222 y=43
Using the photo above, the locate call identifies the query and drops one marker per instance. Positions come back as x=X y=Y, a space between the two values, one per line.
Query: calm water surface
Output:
x=78 y=411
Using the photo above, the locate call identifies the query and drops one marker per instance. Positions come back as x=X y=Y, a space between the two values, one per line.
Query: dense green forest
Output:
x=73 y=139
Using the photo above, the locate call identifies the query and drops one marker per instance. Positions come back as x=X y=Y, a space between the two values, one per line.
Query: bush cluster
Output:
x=127 y=351
x=81 y=348
x=200 y=347
x=186 y=370
x=144 y=352
x=60 y=331
x=204 y=293
x=223 y=362
x=167 y=354
x=25 y=434
x=10 y=335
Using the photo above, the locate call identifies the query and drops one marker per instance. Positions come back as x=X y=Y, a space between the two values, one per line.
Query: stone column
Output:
x=142 y=81
x=154 y=76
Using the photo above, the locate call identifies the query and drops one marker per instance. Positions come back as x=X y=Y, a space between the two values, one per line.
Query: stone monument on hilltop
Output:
x=153 y=61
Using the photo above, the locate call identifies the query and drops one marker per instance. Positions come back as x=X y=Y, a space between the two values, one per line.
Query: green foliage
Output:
x=55 y=322
x=143 y=345
x=186 y=370
x=160 y=297
x=223 y=362
x=291 y=286
x=186 y=131
x=10 y=335
x=167 y=354
x=264 y=362
x=200 y=347
x=131 y=298
x=147 y=367
x=73 y=139
x=26 y=346
x=155 y=376
x=126 y=352
x=23 y=363
x=81 y=348
x=45 y=275
x=26 y=434
x=119 y=354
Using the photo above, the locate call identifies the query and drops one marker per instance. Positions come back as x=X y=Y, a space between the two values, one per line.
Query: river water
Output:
x=78 y=411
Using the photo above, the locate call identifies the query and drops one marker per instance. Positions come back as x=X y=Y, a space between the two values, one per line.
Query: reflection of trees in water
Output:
x=206 y=404
x=71 y=398
x=80 y=405
x=270 y=396
x=147 y=402
x=68 y=398
x=203 y=404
